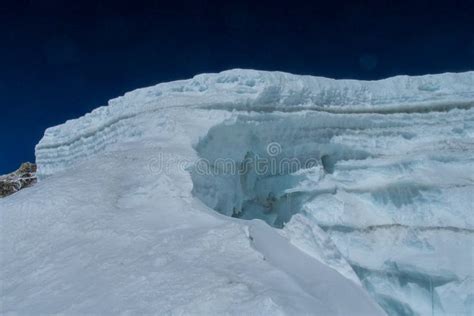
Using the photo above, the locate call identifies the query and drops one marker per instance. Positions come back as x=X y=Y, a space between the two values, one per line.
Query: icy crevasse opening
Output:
x=265 y=166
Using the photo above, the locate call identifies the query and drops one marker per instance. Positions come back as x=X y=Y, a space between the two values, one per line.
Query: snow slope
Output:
x=124 y=221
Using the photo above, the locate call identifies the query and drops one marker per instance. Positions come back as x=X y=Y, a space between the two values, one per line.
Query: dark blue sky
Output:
x=61 y=59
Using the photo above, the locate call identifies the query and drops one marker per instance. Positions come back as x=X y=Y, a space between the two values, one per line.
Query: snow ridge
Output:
x=247 y=90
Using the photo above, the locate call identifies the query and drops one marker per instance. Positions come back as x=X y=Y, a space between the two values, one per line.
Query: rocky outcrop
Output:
x=24 y=177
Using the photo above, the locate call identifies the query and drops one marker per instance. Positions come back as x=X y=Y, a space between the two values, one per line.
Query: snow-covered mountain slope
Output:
x=366 y=187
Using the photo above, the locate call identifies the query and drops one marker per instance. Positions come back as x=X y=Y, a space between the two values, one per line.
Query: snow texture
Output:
x=381 y=221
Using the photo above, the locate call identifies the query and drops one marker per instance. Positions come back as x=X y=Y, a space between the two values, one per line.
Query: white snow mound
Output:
x=361 y=202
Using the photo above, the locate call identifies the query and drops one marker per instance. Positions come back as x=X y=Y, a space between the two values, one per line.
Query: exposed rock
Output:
x=24 y=177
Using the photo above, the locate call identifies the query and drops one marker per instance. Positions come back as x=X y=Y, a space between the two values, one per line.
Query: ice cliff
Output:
x=366 y=188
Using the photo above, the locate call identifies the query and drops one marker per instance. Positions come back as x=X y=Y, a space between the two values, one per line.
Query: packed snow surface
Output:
x=251 y=192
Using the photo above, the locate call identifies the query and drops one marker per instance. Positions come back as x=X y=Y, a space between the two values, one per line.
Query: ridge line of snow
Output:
x=255 y=90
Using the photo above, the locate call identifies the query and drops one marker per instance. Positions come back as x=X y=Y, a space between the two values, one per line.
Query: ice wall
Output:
x=392 y=191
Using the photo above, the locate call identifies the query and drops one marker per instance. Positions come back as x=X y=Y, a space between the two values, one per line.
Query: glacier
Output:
x=252 y=192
